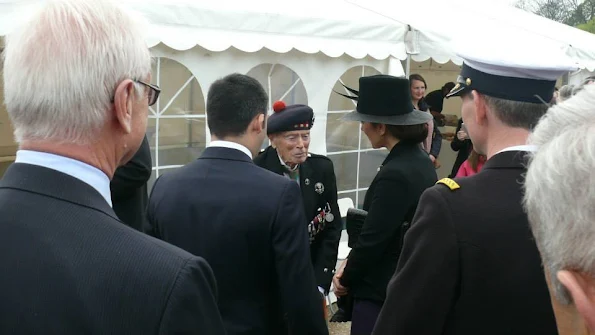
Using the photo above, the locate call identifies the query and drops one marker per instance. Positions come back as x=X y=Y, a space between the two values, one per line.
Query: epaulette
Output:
x=449 y=183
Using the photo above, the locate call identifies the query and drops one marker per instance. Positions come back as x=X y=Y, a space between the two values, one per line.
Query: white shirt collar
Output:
x=231 y=145
x=285 y=165
x=72 y=167
x=526 y=147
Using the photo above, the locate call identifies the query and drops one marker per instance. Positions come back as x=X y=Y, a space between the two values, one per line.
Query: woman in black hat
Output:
x=389 y=121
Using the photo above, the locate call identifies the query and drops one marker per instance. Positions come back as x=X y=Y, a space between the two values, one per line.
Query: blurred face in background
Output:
x=418 y=89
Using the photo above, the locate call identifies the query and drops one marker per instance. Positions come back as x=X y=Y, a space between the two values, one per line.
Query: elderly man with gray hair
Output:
x=76 y=81
x=560 y=201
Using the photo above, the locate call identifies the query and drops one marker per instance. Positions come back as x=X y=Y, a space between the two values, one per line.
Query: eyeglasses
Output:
x=154 y=92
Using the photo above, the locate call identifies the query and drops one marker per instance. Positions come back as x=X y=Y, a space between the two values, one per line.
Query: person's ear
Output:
x=123 y=102
x=381 y=129
x=480 y=108
x=258 y=124
x=582 y=289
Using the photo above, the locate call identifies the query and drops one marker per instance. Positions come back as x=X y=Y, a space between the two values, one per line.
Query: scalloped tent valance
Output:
x=357 y=28
x=450 y=22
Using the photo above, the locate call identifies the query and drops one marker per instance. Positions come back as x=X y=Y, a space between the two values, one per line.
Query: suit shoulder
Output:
x=320 y=159
x=260 y=158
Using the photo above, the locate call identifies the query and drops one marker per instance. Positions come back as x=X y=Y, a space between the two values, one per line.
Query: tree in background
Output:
x=576 y=13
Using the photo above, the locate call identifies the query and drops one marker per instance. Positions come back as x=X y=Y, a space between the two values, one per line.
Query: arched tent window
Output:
x=176 y=129
x=280 y=83
x=355 y=161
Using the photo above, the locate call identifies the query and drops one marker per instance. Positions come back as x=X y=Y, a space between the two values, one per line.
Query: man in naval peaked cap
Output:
x=289 y=132
x=469 y=263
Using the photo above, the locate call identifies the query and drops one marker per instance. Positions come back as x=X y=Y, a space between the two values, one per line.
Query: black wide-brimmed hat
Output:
x=384 y=99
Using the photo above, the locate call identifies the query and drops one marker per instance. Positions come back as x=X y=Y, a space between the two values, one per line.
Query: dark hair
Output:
x=516 y=113
x=418 y=77
x=232 y=103
x=474 y=159
x=415 y=134
x=448 y=86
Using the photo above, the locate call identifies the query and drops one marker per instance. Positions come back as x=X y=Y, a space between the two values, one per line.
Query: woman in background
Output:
x=472 y=165
x=433 y=143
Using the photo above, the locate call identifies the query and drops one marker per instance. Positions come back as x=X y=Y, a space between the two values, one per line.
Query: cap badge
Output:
x=319 y=188
x=468 y=81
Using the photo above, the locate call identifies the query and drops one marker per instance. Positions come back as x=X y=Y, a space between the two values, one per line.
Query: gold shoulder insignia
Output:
x=449 y=183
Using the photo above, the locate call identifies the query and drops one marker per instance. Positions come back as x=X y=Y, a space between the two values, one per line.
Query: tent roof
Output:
x=450 y=23
x=333 y=27
x=358 y=28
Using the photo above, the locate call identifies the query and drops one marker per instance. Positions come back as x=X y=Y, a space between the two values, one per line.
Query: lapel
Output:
x=225 y=153
x=508 y=160
x=273 y=164
x=400 y=149
x=54 y=184
x=271 y=161
x=308 y=194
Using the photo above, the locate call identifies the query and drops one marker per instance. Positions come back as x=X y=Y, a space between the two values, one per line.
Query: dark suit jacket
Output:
x=129 y=188
x=469 y=263
x=69 y=266
x=463 y=147
x=248 y=223
x=391 y=200
x=316 y=170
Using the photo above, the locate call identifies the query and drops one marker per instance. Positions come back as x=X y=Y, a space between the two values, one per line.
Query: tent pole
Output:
x=408 y=66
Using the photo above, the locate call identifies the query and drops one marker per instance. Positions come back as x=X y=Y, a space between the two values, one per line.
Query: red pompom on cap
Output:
x=278 y=106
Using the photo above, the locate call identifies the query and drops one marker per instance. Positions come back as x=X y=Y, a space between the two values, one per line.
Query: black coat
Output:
x=316 y=170
x=248 y=223
x=463 y=147
x=129 y=188
x=69 y=266
x=469 y=264
x=390 y=201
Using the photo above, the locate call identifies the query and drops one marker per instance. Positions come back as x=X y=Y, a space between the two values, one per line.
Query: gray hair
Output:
x=62 y=65
x=559 y=191
x=516 y=113
x=565 y=92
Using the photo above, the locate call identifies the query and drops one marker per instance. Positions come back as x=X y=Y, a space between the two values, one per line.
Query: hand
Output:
x=462 y=135
x=433 y=159
x=340 y=290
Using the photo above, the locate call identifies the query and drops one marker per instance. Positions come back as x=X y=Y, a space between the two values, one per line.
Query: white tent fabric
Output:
x=333 y=27
x=444 y=24
x=357 y=28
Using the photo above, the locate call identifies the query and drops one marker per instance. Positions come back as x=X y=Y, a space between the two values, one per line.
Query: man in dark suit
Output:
x=247 y=222
x=435 y=102
x=469 y=263
x=69 y=265
x=289 y=131
x=129 y=188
